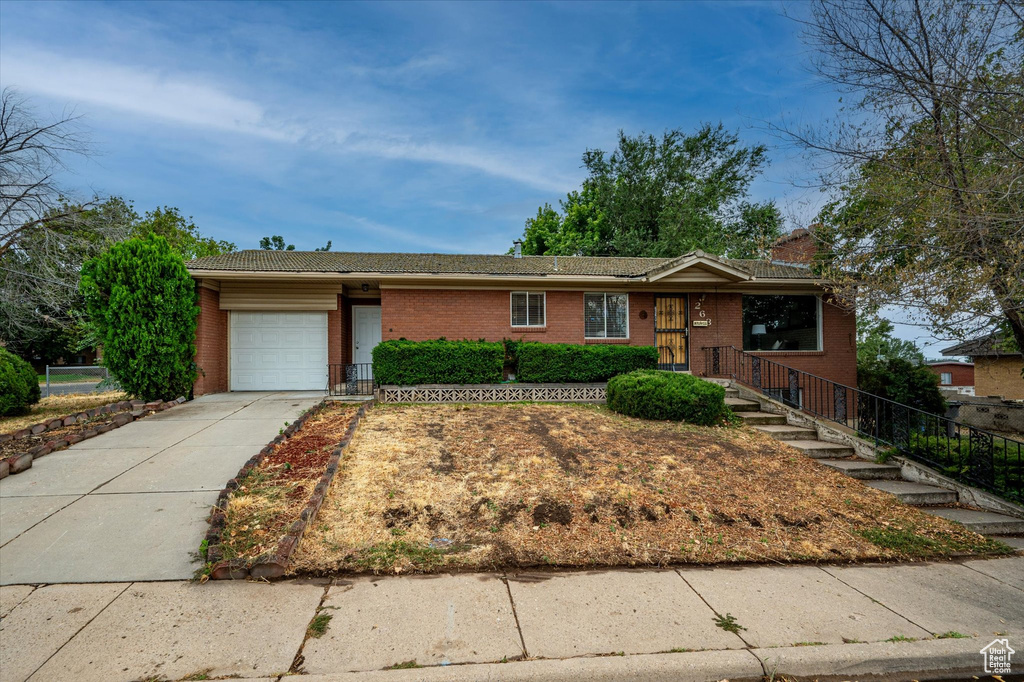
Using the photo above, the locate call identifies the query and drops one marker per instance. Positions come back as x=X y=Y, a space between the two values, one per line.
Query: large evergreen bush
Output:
x=653 y=394
x=142 y=302
x=903 y=382
x=19 y=384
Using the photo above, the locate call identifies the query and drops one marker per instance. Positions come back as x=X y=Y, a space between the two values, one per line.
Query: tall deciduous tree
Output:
x=927 y=163
x=181 y=234
x=662 y=197
x=32 y=154
x=142 y=301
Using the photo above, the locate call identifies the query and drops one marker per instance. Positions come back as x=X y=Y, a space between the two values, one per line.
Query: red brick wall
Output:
x=335 y=333
x=963 y=375
x=211 y=344
x=421 y=314
x=796 y=248
x=836 y=361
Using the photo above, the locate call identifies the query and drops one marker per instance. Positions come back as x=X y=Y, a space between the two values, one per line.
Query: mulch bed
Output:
x=493 y=487
x=262 y=513
x=19 y=448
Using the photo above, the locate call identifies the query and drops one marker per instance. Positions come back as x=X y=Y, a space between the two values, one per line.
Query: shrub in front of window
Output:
x=19 y=385
x=560 y=363
x=142 y=302
x=654 y=394
x=408 y=363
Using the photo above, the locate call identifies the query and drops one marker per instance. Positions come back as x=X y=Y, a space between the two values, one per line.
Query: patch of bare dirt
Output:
x=431 y=488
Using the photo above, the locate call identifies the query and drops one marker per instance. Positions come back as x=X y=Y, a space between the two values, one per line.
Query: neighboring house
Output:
x=996 y=366
x=955 y=376
x=273 y=320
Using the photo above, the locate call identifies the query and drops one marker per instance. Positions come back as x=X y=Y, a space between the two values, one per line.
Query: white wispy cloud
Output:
x=151 y=93
x=198 y=101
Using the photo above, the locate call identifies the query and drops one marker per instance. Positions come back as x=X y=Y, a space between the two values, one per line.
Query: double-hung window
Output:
x=528 y=309
x=606 y=316
x=946 y=378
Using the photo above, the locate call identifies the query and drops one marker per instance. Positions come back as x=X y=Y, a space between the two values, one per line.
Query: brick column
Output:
x=211 y=344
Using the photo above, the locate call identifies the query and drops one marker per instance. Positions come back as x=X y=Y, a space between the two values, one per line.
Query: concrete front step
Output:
x=1015 y=542
x=863 y=470
x=741 y=405
x=786 y=432
x=761 y=418
x=819 y=449
x=984 y=522
x=917 y=494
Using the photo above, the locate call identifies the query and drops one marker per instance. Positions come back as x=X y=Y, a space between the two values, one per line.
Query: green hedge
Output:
x=652 y=394
x=19 y=384
x=567 y=363
x=406 y=363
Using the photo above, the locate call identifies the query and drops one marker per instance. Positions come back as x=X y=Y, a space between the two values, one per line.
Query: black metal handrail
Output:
x=671 y=357
x=965 y=453
x=350 y=379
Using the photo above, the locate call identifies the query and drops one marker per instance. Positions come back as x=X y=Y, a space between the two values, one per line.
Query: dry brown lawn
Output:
x=59 y=406
x=434 y=488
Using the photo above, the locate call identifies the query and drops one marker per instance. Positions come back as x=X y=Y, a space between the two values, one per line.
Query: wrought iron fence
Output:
x=350 y=379
x=63 y=379
x=965 y=453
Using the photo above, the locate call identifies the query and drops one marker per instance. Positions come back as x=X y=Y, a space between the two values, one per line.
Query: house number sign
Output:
x=701 y=316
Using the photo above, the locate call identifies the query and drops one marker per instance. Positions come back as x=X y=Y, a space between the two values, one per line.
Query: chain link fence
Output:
x=63 y=379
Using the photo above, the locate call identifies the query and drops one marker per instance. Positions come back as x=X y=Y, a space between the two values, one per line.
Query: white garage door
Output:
x=278 y=351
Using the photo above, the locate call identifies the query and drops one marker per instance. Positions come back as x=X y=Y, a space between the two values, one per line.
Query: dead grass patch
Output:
x=269 y=499
x=59 y=406
x=433 y=488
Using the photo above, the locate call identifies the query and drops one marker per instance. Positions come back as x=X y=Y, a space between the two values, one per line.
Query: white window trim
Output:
x=544 y=321
x=942 y=376
x=606 y=294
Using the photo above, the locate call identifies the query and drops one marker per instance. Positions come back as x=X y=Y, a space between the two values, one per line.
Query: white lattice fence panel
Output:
x=501 y=393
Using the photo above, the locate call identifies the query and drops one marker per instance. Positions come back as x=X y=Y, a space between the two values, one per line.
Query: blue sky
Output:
x=397 y=127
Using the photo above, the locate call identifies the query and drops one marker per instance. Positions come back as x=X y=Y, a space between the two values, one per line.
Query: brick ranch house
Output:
x=996 y=364
x=274 y=320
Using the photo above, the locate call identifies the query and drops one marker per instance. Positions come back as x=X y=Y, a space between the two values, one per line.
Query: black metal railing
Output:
x=666 y=357
x=350 y=379
x=965 y=453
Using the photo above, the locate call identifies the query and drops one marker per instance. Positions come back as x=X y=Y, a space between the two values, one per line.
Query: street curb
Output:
x=842 y=660
x=925 y=658
x=692 y=666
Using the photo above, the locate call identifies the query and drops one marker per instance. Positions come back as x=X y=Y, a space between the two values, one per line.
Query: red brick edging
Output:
x=274 y=565
x=125 y=411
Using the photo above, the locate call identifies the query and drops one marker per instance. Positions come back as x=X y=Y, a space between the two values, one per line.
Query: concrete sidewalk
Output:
x=626 y=624
x=132 y=504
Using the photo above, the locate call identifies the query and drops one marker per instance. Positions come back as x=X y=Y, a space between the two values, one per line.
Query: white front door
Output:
x=275 y=351
x=366 y=332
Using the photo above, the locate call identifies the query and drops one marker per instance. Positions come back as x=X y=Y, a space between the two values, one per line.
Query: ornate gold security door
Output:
x=670 y=331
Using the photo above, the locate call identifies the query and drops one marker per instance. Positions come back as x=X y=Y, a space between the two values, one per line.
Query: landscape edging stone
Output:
x=16 y=463
x=275 y=565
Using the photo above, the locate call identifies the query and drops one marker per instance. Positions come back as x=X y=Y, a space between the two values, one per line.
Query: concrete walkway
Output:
x=131 y=504
x=635 y=624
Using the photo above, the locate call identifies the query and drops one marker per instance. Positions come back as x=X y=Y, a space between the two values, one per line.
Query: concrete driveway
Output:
x=131 y=504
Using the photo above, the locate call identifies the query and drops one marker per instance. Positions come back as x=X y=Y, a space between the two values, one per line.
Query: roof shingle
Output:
x=451 y=264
